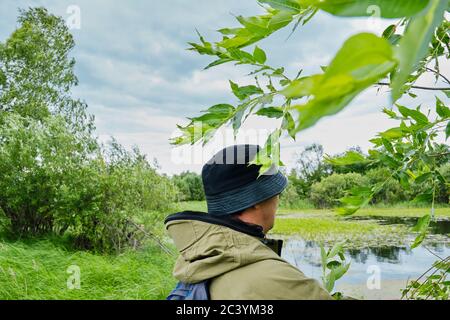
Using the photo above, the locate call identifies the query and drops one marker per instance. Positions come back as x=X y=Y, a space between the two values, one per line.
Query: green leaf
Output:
x=339 y=271
x=353 y=203
x=364 y=56
x=347 y=211
x=330 y=281
x=210 y=119
x=324 y=257
x=364 y=8
x=418 y=116
x=240 y=56
x=394 y=39
x=440 y=177
x=441 y=109
x=301 y=87
x=333 y=264
x=238 y=41
x=336 y=249
x=414 y=45
x=390 y=113
x=256 y=24
x=286 y=5
x=424 y=197
x=424 y=177
x=388 y=145
x=447 y=131
x=389 y=31
x=393 y=133
x=2 y=78
x=271 y=112
x=229 y=31
x=289 y=124
x=218 y=62
x=349 y=158
x=204 y=126
x=259 y=55
x=269 y=156
x=363 y=60
x=422 y=224
x=253 y=30
x=377 y=142
x=359 y=197
x=421 y=227
x=244 y=92
x=418 y=241
x=237 y=119
x=222 y=109
x=279 y=20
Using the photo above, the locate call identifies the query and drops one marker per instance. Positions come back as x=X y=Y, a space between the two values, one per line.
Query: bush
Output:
x=50 y=181
x=116 y=193
x=190 y=186
x=290 y=199
x=444 y=190
x=37 y=162
x=392 y=191
x=326 y=193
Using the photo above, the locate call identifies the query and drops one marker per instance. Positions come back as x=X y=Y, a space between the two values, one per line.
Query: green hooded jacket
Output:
x=239 y=266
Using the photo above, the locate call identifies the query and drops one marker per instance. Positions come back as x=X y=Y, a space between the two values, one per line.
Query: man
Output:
x=224 y=254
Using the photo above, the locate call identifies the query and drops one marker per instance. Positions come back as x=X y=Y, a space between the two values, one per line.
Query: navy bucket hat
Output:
x=232 y=185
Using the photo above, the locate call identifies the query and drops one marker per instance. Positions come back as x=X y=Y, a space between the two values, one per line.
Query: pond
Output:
x=395 y=264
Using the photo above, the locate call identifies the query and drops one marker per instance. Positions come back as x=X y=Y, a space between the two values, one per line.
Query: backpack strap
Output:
x=190 y=291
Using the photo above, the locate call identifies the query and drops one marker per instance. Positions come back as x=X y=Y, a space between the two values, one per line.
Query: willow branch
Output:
x=417 y=87
x=439 y=74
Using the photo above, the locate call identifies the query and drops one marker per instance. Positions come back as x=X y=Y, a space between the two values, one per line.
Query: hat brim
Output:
x=265 y=187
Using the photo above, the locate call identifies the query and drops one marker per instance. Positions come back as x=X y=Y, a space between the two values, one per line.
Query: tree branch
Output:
x=439 y=74
x=416 y=87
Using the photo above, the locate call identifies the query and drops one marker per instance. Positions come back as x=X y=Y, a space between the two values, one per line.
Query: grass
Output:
x=331 y=229
x=306 y=227
x=403 y=212
x=192 y=206
x=39 y=270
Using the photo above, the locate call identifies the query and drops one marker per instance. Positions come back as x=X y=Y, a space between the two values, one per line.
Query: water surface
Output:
x=396 y=263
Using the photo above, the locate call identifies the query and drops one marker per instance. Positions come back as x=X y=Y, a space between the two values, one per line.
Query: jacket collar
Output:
x=226 y=221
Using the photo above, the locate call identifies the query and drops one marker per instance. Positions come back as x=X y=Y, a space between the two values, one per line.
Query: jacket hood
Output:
x=211 y=246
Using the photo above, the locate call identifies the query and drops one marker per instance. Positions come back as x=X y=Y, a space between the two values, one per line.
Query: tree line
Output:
x=316 y=182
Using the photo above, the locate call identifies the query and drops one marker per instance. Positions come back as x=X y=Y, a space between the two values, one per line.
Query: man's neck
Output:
x=250 y=219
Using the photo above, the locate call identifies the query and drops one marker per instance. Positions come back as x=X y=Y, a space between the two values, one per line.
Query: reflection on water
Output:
x=392 y=254
x=396 y=263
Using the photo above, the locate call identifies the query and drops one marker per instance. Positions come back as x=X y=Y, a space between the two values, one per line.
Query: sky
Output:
x=140 y=81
